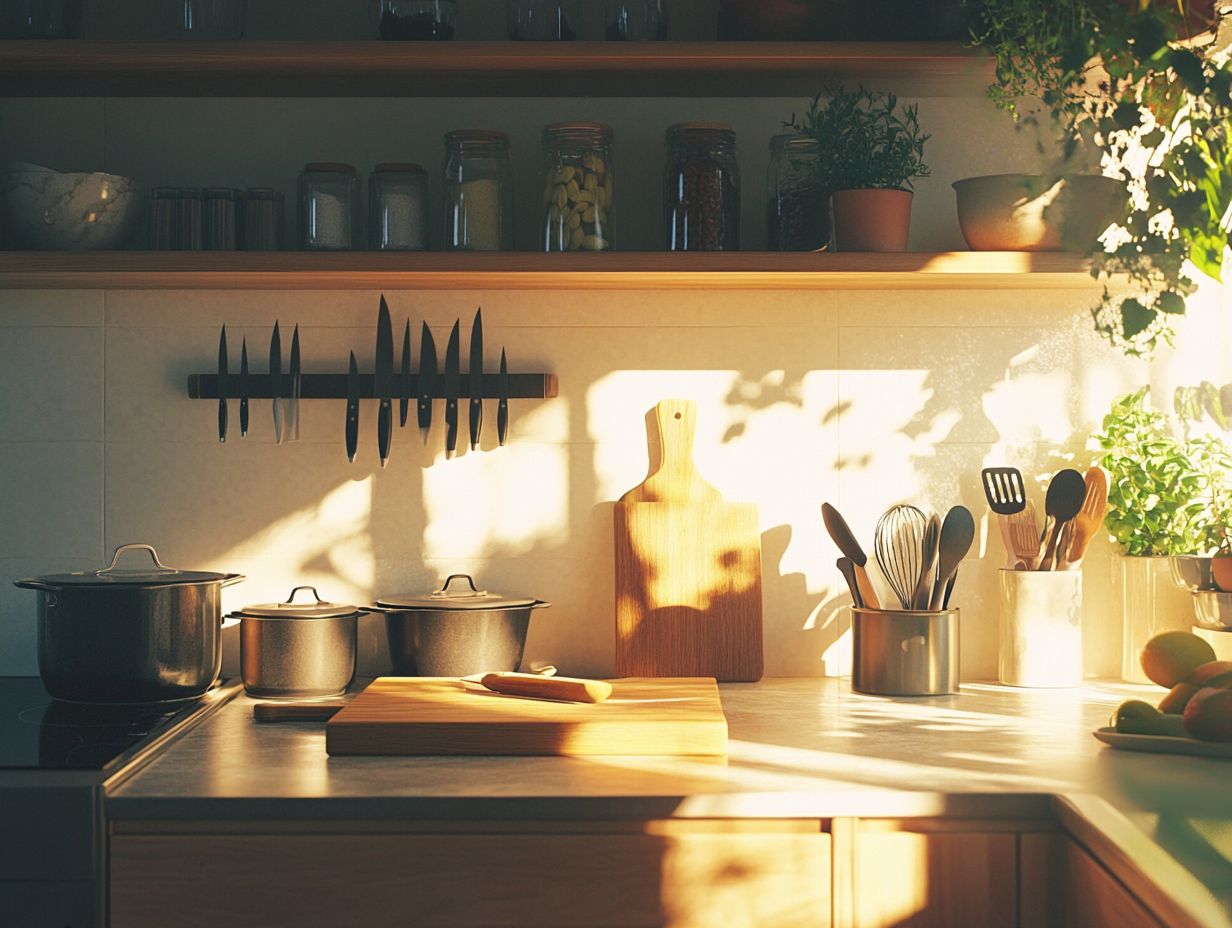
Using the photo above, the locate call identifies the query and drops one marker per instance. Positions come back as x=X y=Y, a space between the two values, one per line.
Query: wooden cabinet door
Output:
x=907 y=879
x=671 y=877
x=1063 y=886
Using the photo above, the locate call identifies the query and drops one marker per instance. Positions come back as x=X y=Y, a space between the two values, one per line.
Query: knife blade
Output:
x=222 y=385
x=502 y=402
x=244 y=388
x=404 y=388
x=352 y=410
x=475 y=370
x=427 y=380
x=383 y=380
x=275 y=375
x=453 y=383
x=293 y=405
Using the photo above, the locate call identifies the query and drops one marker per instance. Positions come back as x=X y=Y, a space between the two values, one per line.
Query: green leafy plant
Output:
x=1166 y=494
x=1124 y=79
x=1193 y=404
x=865 y=139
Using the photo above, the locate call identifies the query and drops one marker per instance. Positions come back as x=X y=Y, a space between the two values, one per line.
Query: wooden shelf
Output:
x=167 y=270
x=410 y=69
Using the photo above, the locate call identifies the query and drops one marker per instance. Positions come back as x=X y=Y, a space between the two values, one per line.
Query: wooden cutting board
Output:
x=688 y=569
x=444 y=715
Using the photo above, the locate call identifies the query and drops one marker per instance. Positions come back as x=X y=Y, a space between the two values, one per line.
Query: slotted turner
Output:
x=1004 y=490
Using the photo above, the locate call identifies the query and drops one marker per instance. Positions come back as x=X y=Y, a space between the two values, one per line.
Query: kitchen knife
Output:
x=475 y=370
x=244 y=388
x=502 y=402
x=404 y=388
x=275 y=376
x=352 y=410
x=293 y=405
x=383 y=381
x=222 y=385
x=453 y=383
x=427 y=380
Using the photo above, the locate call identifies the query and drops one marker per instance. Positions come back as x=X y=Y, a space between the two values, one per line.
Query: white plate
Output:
x=1162 y=744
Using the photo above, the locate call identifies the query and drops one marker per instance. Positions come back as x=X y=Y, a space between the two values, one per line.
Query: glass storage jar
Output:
x=262 y=220
x=164 y=218
x=478 y=191
x=397 y=208
x=40 y=19
x=542 y=20
x=219 y=219
x=201 y=19
x=635 y=20
x=797 y=209
x=702 y=188
x=328 y=207
x=417 y=20
x=577 y=187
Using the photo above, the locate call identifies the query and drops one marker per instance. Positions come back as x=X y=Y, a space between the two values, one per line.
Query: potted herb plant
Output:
x=871 y=150
x=1166 y=498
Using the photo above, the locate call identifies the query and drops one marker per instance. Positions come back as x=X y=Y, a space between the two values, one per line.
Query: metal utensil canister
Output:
x=905 y=653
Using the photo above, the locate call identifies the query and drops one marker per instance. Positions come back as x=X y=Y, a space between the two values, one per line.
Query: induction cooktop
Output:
x=38 y=733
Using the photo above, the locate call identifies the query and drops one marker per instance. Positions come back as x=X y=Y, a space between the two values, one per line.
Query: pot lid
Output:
x=321 y=609
x=158 y=575
x=447 y=600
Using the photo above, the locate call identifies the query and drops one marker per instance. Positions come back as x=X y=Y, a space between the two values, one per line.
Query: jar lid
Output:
x=165 y=193
x=320 y=609
x=707 y=132
x=794 y=142
x=701 y=127
x=492 y=136
x=219 y=193
x=396 y=167
x=447 y=600
x=112 y=576
x=262 y=193
x=570 y=128
x=329 y=167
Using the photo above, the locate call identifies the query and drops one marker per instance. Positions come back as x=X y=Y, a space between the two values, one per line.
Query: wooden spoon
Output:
x=1089 y=519
x=842 y=535
x=1066 y=494
x=957 y=533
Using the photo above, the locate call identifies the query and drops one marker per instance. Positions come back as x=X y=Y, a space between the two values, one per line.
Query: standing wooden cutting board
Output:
x=688 y=569
x=443 y=715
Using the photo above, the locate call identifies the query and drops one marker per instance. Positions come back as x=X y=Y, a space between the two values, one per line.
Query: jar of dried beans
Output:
x=577 y=187
x=702 y=188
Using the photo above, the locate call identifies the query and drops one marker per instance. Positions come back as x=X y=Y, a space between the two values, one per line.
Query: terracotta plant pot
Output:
x=871 y=220
x=1221 y=572
x=1029 y=212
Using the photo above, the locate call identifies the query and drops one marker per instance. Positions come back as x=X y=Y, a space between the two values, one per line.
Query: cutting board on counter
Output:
x=688 y=569
x=444 y=715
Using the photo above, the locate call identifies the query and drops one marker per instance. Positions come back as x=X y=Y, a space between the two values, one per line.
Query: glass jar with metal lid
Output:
x=702 y=188
x=577 y=187
x=797 y=208
x=417 y=20
x=397 y=208
x=478 y=191
x=328 y=207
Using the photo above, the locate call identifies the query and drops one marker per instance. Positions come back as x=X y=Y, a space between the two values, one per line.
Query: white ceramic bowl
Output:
x=1026 y=212
x=1213 y=609
x=45 y=209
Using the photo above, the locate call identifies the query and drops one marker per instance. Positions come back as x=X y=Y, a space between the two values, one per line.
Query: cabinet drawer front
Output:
x=502 y=881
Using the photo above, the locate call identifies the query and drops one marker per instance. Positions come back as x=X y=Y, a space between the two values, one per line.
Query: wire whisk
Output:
x=899 y=547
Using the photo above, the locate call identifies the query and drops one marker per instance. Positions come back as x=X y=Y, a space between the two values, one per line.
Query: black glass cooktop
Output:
x=37 y=733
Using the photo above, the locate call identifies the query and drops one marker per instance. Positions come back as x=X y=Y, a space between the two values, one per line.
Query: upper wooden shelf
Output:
x=169 y=270
x=416 y=69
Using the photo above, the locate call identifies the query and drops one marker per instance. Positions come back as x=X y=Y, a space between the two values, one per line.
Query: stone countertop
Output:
x=798 y=748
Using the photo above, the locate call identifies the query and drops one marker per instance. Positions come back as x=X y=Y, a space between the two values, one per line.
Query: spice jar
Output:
x=397 y=204
x=417 y=20
x=164 y=218
x=577 y=188
x=202 y=19
x=188 y=221
x=478 y=191
x=328 y=195
x=797 y=209
x=635 y=20
x=542 y=20
x=219 y=222
x=40 y=19
x=262 y=227
x=702 y=188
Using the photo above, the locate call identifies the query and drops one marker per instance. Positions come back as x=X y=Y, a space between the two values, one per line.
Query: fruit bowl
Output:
x=1213 y=609
x=1028 y=212
x=45 y=209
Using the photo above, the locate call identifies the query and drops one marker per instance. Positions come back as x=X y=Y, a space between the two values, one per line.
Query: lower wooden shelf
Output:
x=168 y=270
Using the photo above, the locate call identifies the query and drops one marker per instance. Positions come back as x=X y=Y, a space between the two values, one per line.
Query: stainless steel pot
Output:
x=451 y=633
x=293 y=650
x=123 y=636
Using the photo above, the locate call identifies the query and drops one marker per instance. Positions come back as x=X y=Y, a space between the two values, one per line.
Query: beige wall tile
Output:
x=51 y=379
x=52 y=504
x=24 y=308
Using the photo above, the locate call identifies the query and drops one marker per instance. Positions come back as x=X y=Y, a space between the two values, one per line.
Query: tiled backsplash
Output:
x=862 y=398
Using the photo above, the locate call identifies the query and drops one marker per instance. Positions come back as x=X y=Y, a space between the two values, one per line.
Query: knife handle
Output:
x=502 y=421
x=565 y=689
x=352 y=430
x=476 y=420
x=222 y=420
x=243 y=416
x=384 y=429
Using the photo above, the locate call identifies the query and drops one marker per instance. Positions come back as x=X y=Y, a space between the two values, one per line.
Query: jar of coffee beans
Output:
x=798 y=209
x=478 y=191
x=702 y=188
x=577 y=187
